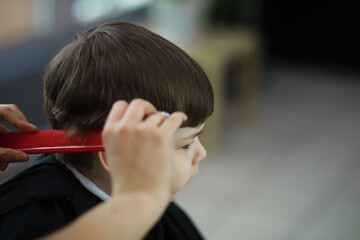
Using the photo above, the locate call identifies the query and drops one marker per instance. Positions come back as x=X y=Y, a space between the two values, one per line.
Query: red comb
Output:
x=52 y=141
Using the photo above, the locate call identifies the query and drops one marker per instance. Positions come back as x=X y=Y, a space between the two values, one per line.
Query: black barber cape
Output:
x=47 y=196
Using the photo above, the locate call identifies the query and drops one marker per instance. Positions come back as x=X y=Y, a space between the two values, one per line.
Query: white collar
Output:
x=89 y=185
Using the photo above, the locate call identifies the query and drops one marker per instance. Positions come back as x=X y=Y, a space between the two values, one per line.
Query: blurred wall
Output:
x=15 y=20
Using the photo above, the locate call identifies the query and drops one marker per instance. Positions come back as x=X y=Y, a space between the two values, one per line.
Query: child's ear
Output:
x=103 y=160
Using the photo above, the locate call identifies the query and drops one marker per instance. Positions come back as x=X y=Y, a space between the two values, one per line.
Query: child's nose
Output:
x=200 y=155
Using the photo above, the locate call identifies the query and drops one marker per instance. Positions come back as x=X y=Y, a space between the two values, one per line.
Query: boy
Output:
x=115 y=61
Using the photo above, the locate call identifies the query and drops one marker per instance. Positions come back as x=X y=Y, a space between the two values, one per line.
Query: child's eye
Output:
x=187 y=146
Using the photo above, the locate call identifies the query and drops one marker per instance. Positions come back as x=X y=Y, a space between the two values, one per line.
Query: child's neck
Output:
x=98 y=175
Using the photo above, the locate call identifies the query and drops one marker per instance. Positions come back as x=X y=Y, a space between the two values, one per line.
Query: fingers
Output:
x=155 y=119
x=11 y=155
x=3 y=129
x=173 y=122
x=138 y=110
x=116 y=113
x=3 y=166
x=144 y=113
x=26 y=127
x=12 y=114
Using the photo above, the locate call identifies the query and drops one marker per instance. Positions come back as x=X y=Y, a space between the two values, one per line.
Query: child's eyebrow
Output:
x=194 y=135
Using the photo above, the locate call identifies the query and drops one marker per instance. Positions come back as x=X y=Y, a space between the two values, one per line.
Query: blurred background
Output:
x=283 y=142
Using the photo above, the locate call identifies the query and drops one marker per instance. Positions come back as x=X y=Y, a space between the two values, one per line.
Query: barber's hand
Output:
x=139 y=148
x=12 y=114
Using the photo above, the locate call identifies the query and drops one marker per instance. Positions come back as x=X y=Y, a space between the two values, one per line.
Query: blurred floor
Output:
x=295 y=174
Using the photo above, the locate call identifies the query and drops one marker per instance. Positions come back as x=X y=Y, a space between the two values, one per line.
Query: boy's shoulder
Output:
x=41 y=199
x=46 y=179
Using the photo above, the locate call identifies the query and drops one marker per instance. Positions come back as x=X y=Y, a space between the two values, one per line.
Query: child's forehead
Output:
x=186 y=132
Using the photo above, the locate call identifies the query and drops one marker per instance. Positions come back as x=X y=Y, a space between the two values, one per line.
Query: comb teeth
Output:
x=52 y=141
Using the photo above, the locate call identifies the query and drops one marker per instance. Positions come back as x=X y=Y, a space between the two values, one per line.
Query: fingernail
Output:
x=21 y=157
x=185 y=118
x=166 y=114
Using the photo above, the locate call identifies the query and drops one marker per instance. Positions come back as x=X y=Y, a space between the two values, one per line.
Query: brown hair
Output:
x=124 y=61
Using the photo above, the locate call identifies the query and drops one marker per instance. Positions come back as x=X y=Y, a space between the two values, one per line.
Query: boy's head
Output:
x=122 y=61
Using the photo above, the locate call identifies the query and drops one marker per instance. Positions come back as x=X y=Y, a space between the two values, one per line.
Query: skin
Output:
x=12 y=114
x=188 y=154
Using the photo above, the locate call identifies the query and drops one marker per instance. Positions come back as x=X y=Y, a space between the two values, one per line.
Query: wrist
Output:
x=144 y=201
x=158 y=197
